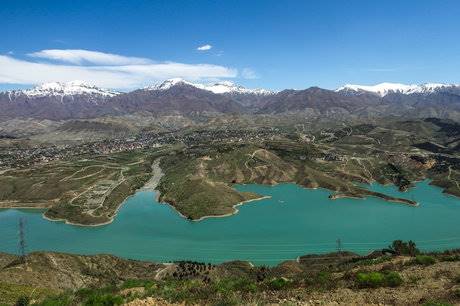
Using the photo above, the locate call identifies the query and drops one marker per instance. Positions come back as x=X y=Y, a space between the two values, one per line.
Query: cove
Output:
x=293 y=222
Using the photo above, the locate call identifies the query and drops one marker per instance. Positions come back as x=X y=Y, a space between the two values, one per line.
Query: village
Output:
x=20 y=157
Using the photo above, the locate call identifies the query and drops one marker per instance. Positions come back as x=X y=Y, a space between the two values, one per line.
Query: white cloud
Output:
x=79 y=57
x=122 y=76
x=204 y=47
x=248 y=73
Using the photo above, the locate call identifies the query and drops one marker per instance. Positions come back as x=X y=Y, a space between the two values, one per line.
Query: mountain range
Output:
x=73 y=100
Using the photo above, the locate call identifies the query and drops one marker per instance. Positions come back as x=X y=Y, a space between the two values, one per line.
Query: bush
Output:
x=103 y=300
x=278 y=283
x=235 y=284
x=377 y=279
x=320 y=280
x=424 y=260
x=393 y=279
x=60 y=300
x=370 y=280
x=23 y=301
x=245 y=285
x=404 y=248
x=450 y=258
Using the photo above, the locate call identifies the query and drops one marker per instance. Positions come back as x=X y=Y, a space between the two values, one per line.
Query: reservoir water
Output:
x=293 y=222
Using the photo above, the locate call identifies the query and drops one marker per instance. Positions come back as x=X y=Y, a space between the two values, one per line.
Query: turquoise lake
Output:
x=293 y=222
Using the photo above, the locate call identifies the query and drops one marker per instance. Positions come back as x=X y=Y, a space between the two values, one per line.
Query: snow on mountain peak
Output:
x=383 y=89
x=66 y=89
x=167 y=84
x=220 y=87
x=230 y=87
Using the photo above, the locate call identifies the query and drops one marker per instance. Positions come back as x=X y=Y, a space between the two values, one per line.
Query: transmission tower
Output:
x=22 y=240
x=339 y=245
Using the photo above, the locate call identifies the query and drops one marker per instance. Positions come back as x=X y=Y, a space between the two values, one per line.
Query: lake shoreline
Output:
x=150 y=185
x=306 y=223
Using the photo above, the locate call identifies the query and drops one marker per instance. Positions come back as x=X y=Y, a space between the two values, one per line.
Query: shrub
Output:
x=23 y=301
x=393 y=279
x=103 y=300
x=320 y=280
x=60 y=300
x=424 y=260
x=278 y=283
x=404 y=248
x=235 y=284
x=246 y=285
x=370 y=280
x=450 y=258
x=378 y=279
x=324 y=279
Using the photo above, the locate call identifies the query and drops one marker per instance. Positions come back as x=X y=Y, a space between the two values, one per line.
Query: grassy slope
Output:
x=331 y=278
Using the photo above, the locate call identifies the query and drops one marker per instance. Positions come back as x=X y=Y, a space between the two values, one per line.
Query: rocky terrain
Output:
x=393 y=277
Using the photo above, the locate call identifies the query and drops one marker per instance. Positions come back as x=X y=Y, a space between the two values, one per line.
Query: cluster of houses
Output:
x=13 y=157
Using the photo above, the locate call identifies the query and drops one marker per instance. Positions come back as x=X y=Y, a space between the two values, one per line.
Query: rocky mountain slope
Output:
x=77 y=100
x=175 y=98
x=56 y=101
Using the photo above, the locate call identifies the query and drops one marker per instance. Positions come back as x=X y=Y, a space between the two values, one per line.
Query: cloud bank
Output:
x=102 y=69
x=79 y=57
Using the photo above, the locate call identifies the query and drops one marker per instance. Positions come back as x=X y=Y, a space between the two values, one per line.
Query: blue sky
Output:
x=270 y=44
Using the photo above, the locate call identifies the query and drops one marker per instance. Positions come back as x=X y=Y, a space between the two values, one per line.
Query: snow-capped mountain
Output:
x=71 y=100
x=384 y=89
x=57 y=101
x=72 y=88
x=223 y=87
x=232 y=88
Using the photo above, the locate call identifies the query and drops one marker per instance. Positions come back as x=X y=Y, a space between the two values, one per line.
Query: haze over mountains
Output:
x=74 y=100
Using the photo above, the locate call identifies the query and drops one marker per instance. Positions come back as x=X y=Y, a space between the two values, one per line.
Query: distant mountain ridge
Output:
x=384 y=89
x=64 y=89
x=222 y=87
x=72 y=100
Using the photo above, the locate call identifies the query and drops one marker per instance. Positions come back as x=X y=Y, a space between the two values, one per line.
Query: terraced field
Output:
x=84 y=191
